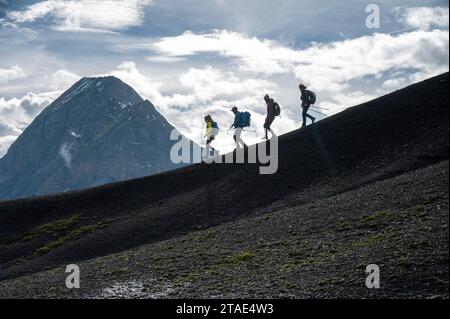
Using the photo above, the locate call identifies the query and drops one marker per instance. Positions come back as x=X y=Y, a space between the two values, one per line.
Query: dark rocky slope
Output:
x=314 y=250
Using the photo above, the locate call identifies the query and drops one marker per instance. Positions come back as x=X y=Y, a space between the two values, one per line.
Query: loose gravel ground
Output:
x=317 y=250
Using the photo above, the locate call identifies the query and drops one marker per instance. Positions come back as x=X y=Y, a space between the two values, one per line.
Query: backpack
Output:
x=215 y=128
x=245 y=119
x=311 y=97
x=276 y=109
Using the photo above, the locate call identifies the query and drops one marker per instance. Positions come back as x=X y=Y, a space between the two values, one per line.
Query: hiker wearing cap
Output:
x=240 y=121
x=273 y=109
x=308 y=98
x=212 y=129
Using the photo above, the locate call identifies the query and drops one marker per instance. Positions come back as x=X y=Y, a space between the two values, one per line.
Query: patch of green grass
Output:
x=295 y=253
x=214 y=269
x=387 y=217
x=49 y=247
x=303 y=243
x=373 y=240
x=200 y=236
x=301 y=262
x=220 y=267
x=118 y=271
x=245 y=256
x=403 y=262
x=291 y=286
x=418 y=211
x=328 y=282
x=190 y=277
x=287 y=268
x=51 y=228
x=71 y=236
x=343 y=226
x=376 y=217
x=308 y=261
x=103 y=223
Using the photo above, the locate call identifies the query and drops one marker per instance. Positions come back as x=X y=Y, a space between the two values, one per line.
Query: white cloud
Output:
x=395 y=83
x=164 y=59
x=20 y=110
x=423 y=18
x=340 y=101
x=13 y=73
x=61 y=80
x=263 y=56
x=328 y=68
x=64 y=152
x=85 y=15
x=8 y=130
x=17 y=113
x=5 y=143
x=144 y=85
x=332 y=66
x=210 y=83
x=73 y=28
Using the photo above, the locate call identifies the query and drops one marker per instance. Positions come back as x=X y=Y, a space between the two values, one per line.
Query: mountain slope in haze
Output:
x=368 y=185
x=99 y=131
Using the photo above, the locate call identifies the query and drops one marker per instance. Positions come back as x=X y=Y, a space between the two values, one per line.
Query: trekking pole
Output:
x=252 y=131
x=319 y=112
x=201 y=131
x=320 y=108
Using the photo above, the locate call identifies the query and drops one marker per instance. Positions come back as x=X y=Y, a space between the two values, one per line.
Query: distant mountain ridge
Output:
x=98 y=131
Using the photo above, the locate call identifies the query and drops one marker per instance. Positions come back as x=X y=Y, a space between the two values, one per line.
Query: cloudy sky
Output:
x=193 y=57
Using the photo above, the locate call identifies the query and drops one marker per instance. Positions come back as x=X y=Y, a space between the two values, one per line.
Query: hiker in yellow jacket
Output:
x=212 y=129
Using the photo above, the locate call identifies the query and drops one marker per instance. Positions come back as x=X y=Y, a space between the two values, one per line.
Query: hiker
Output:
x=273 y=109
x=308 y=98
x=212 y=129
x=241 y=120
